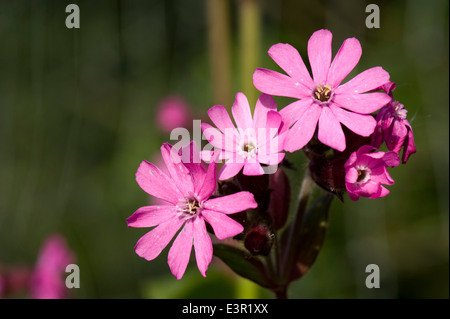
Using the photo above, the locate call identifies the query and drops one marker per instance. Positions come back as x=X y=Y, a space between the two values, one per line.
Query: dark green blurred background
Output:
x=77 y=116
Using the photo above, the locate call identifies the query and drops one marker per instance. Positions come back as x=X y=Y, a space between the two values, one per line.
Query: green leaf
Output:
x=311 y=236
x=243 y=264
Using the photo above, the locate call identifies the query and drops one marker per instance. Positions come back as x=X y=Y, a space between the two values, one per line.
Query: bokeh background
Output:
x=78 y=114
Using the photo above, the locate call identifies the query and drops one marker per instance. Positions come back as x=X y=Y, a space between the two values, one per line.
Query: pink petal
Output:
x=288 y=58
x=303 y=130
x=351 y=160
x=230 y=169
x=231 y=204
x=180 y=252
x=391 y=159
x=351 y=175
x=273 y=123
x=319 y=53
x=381 y=175
x=294 y=111
x=209 y=183
x=206 y=155
x=362 y=103
x=151 y=244
x=190 y=157
x=365 y=149
x=370 y=189
x=367 y=80
x=381 y=158
x=330 y=130
x=363 y=125
x=149 y=216
x=252 y=169
x=202 y=245
x=371 y=160
x=274 y=83
x=156 y=183
x=180 y=174
x=220 y=117
x=241 y=112
x=268 y=139
x=410 y=147
x=395 y=136
x=353 y=196
x=219 y=140
x=264 y=104
x=382 y=191
x=223 y=226
x=270 y=159
x=344 y=61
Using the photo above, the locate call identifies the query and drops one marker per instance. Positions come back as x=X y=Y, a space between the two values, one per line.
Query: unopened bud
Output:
x=280 y=195
x=329 y=174
x=259 y=239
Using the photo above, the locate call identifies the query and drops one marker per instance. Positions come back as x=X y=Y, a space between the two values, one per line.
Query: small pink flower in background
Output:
x=187 y=189
x=47 y=279
x=323 y=101
x=365 y=172
x=394 y=129
x=256 y=140
x=173 y=112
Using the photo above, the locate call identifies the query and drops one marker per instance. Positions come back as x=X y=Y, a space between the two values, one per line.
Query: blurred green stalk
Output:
x=218 y=16
x=246 y=289
x=249 y=44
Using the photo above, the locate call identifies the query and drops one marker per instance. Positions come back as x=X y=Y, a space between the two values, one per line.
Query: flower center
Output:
x=363 y=176
x=191 y=207
x=248 y=148
x=323 y=93
x=399 y=110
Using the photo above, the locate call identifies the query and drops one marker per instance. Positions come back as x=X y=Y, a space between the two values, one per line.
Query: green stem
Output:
x=294 y=229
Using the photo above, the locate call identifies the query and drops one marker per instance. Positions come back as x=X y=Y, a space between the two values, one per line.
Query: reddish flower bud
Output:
x=259 y=239
x=329 y=174
x=280 y=196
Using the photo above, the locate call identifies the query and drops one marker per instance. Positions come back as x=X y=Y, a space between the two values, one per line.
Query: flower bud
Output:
x=329 y=174
x=280 y=196
x=259 y=239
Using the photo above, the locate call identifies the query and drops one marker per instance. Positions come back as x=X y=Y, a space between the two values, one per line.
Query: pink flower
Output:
x=47 y=281
x=187 y=189
x=394 y=129
x=173 y=112
x=365 y=171
x=323 y=101
x=256 y=140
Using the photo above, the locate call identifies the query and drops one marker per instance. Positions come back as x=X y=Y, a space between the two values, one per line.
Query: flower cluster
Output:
x=339 y=126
